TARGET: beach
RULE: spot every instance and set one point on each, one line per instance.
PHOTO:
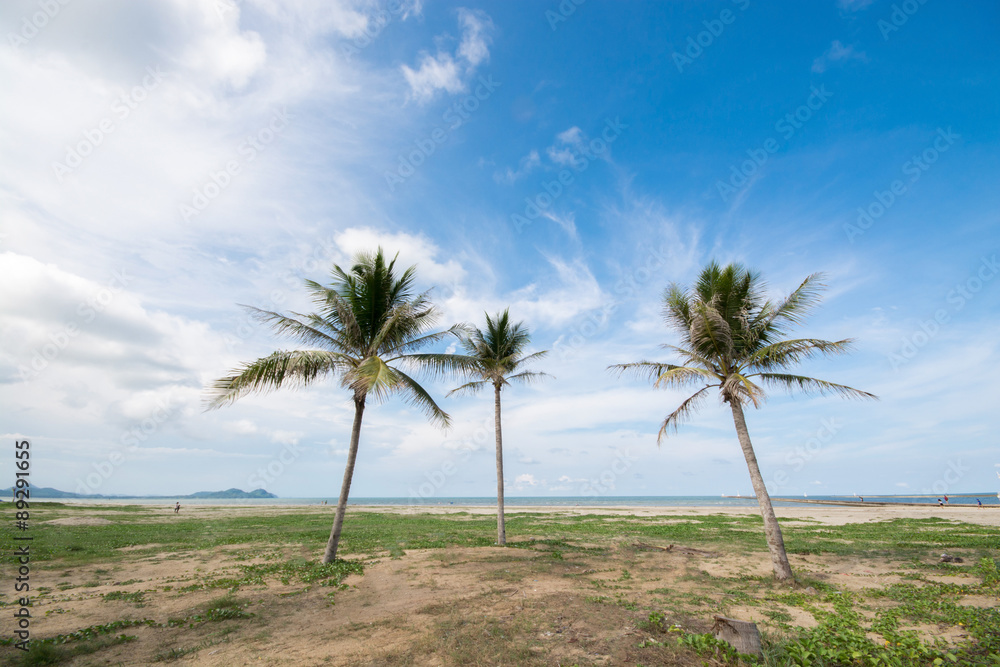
(240, 585)
(832, 515)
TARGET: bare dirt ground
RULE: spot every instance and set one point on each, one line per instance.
(468, 606)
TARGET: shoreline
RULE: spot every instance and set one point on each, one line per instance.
(824, 514)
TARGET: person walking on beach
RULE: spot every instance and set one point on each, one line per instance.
(946, 499)
(940, 504)
(177, 507)
(979, 502)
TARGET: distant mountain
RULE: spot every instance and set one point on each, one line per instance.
(232, 493)
(46, 492)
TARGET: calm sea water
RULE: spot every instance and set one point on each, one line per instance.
(532, 501)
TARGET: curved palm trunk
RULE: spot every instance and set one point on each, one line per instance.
(345, 488)
(501, 528)
(772, 531)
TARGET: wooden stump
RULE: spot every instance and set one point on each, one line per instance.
(742, 635)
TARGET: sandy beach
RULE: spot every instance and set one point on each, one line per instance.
(832, 515)
(575, 586)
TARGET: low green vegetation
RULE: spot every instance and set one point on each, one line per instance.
(914, 611)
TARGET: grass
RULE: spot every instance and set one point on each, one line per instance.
(877, 625)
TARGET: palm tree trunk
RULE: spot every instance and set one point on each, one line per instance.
(345, 488)
(501, 528)
(772, 531)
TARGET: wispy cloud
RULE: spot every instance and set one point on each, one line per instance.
(837, 53)
(528, 163)
(854, 5)
(447, 71)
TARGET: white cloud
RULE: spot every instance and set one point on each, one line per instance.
(525, 480)
(476, 28)
(445, 71)
(563, 151)
(439, 72)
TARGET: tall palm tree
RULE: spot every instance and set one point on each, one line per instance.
(367, 323)
(494, 357)
(732, 338)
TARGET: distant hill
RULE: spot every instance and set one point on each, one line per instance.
(46, 492)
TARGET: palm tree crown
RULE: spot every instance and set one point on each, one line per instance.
(365, 321)
(731, 337)
(367, 324)
(494, 355)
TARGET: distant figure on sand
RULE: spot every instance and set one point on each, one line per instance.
(862, 498)
(177, 507)
(979, 502)
(946, 499)
(940, 504)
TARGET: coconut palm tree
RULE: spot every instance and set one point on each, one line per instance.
(494, 357)
(732, 338)
(367, 324)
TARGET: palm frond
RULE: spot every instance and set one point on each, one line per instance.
(440, 364)
(641, 369)
(679, 376)
(683, 412)
(692, 357)
(711, 334)
(469, 387)
(794, 308)
(417, 396)
(813, 385)
(738, 387)
(294, 328)
(790, 352)
(373, 377)
(527, 377)
(280, 369)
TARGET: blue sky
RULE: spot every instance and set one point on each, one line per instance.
(167, 161)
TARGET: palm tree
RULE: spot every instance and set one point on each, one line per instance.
(367, 322)
(493, 357)
(733, 338)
